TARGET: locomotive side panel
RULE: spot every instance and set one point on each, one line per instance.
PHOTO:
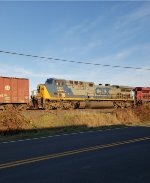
(80, 89)
(107, 92)
(67, 89)
(58, 88)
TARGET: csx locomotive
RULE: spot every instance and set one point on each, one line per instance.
(59, 93)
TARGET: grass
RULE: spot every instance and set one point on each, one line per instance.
(89, 118)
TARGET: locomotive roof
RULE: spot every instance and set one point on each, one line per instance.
(142, 88)
(118, 86)
(68, 80)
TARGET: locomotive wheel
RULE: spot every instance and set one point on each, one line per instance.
(47, 106)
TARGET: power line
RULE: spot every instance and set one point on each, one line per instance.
(73, 61)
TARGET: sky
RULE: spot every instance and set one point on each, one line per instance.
(103, 32)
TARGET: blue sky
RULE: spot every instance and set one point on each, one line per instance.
(116, 33)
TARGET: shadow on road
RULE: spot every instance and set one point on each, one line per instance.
(37, 132)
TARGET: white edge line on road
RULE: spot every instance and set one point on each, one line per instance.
(65, 134)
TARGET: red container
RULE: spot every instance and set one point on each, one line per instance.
(14, 90)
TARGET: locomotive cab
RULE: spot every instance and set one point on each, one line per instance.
(142, 94)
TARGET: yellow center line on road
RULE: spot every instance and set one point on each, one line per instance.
(67, 153)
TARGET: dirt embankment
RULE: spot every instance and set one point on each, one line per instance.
(12, 119)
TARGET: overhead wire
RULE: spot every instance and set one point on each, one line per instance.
(73, 61)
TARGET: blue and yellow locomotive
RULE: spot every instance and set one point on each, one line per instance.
(59, 93)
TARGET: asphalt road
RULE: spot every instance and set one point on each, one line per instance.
(117, 155)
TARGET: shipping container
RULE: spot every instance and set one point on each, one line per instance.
(14, 90)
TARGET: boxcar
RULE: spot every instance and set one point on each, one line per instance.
(14, 91)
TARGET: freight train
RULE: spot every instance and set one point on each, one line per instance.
(69, 94)
(59, 93)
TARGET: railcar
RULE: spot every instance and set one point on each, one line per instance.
(59, 93)
(14, 91)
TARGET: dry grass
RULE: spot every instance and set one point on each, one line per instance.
(89, 118)
(10, 119)
(94, 119)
